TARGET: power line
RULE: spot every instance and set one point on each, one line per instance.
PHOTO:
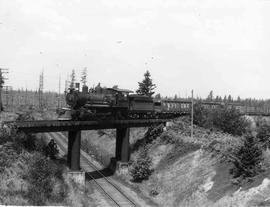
(59, 91)
(40, 90)
(192, 113)
(2, 82)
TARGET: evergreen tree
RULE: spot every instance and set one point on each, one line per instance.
(146, 87)
(263, 134)
(1, 79)
(72, 80)
(84, 77)
(225, 99)
(247, 160)
(230, 99)
(210, 96)
(238, 99)
(141, 167)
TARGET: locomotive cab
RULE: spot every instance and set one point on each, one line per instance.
(121, 96)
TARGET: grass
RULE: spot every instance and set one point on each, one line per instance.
(27, 177)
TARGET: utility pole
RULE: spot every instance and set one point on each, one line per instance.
(59, 89)
(25, 98)
(40, 90)
(2, 81)
(192, 103)
(7, 90)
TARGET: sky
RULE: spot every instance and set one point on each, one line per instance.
(204, 45)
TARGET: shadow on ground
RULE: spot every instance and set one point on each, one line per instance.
(106, 172)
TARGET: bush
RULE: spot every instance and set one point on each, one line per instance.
(229, 120)
(141, 168)
(200, 115)
(247, 160)
(27, 116)
(263, 135)
(41, 175)
(150, 135)
(7, 156)
(51, 150)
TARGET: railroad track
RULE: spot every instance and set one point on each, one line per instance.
(114, 194)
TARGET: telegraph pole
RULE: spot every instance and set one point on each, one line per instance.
(192, 103)
(40, 90)
(2, 81)
(59, 89)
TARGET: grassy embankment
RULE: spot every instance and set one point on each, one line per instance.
(185, 171)
(28, 177)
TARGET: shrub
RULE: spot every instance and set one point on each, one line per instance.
(229, 120)
(263, 135)
(168, 137)
(51, 150)
(7, 156)
(200, 115)
(27, 116)
(247, 160)
(150, 135)
(41, 176)
(141, 168)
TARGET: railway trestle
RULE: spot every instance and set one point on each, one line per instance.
(74, 128)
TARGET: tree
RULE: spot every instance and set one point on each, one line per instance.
(72, 80)
(146, 87)
(263, 134)
(225, 99)
(247, 160)
(141, 168)
(84, 76)
(1, 79)
(1, 86)
(238, 99)
(230, 99)
(210, 96)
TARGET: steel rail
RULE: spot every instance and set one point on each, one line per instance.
(100, 187)
(102, 175)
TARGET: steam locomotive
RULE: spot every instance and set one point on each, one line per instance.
(113, 103)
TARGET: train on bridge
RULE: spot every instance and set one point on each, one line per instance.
(119, 104)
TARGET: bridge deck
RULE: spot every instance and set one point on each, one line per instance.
(56, 125)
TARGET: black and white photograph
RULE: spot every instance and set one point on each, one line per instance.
(146, 103)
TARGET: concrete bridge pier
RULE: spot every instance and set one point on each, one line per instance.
(73, 157)
(74, 146)
(122, 150)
